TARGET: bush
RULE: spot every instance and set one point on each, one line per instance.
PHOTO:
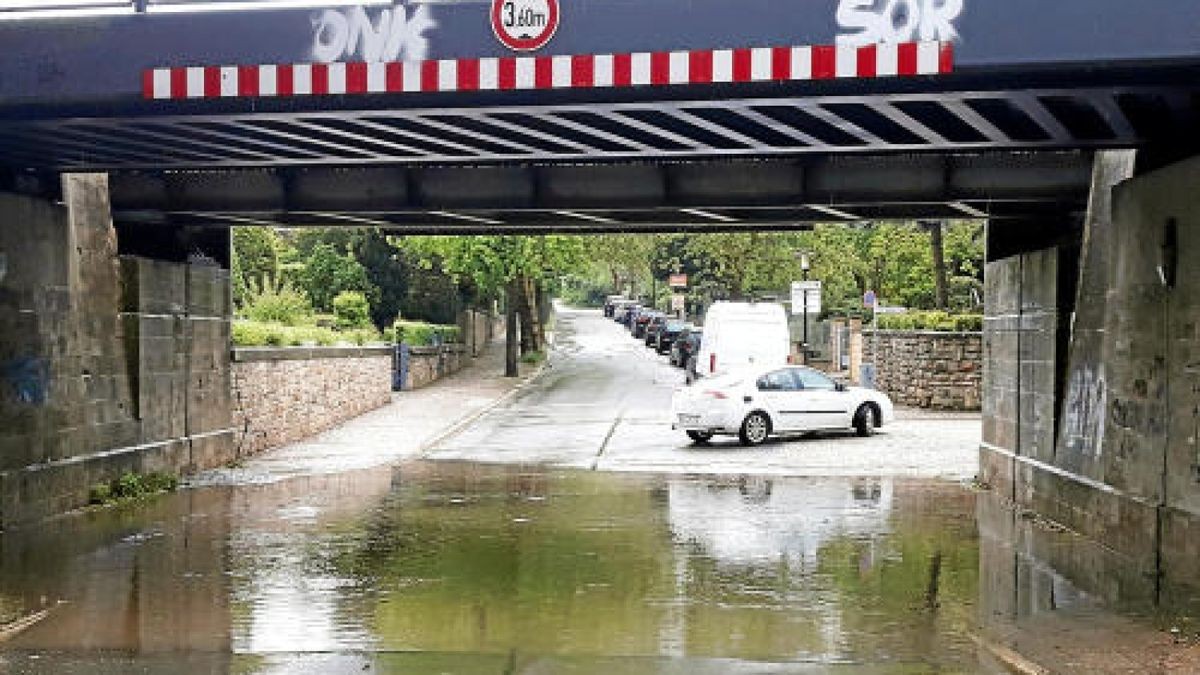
(283, 305)
(420, 334)
(255, 334)
(351, 310)
(936, 321)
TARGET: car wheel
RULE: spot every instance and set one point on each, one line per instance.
(865, 420)
(755, 428)
(700, 436)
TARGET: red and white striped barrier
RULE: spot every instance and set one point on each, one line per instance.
(591, 71)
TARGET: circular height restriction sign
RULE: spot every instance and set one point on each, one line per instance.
(524, 25)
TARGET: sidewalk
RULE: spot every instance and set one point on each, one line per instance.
(412, 422)
(1092, 643)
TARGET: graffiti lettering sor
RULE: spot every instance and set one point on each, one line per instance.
(351, 34)
(890, 21)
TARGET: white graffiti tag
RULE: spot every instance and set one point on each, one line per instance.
(890, 21)
(350, 34)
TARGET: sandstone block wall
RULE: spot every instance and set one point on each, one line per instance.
(1092, 394)
(282, 395)
(926, 369)
(108, 363)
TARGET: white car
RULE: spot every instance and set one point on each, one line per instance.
(756, 403)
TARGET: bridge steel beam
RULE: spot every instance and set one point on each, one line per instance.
(998, 185)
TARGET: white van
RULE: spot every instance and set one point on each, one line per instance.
(741, 334)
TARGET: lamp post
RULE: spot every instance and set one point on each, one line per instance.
(805, 266)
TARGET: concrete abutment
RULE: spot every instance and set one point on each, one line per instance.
(108, 363)
(1092, 383)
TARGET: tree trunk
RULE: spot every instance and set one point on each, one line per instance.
(510, 331)
(544, 310)
(939, 263)
(525, 308)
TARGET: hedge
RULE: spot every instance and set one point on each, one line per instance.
(420, 334)
(260, 334)
(935, 321)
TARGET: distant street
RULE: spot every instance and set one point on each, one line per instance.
(604, 404)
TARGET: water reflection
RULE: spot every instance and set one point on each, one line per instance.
(467, 568)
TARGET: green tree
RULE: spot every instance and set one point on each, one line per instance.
(328, 272)
(505, 264)
(254, 260)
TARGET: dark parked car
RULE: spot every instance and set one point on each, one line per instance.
(684, 346)
(642, 321)
(628, 314)
(611, 304)
(653, 328)
(667, 335)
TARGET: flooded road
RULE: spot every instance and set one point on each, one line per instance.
(463, 568)
(570, 530)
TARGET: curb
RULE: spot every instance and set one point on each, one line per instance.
(457, 427)
(1009, 659)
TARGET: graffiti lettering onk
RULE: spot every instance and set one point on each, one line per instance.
(351, 34)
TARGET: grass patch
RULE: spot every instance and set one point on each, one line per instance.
(130, 487)
(533, 358)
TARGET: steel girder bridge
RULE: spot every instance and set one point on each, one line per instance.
(599, 115)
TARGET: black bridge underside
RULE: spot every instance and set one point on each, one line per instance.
(711, 162)
(713, 195)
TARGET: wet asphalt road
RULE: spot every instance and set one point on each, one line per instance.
(604, 404)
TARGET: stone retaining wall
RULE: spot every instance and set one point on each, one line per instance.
(282, 395)
(927, 369)
(429, 364)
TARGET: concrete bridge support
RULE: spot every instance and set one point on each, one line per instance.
(108, 363)
(1092, 384)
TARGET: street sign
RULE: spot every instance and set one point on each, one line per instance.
(870, 300)
(678, 281)
(524, 25)
(678, 302)
(806, 297)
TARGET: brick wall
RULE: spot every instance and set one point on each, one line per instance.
(927, 369)
(282, 395)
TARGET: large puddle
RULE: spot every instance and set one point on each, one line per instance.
(485, 569)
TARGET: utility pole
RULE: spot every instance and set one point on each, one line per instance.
(805, 266)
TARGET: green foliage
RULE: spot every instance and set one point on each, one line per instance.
(490, 262)
(328, 272)
(421, 334)
(254, 260)
(132, 487)
(276, 304)
(533, 357)
(258, 334)
(579, 291)
(936, 321)
(351, 310)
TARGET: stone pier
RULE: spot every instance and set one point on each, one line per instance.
(1092, 381)
(108, 363)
